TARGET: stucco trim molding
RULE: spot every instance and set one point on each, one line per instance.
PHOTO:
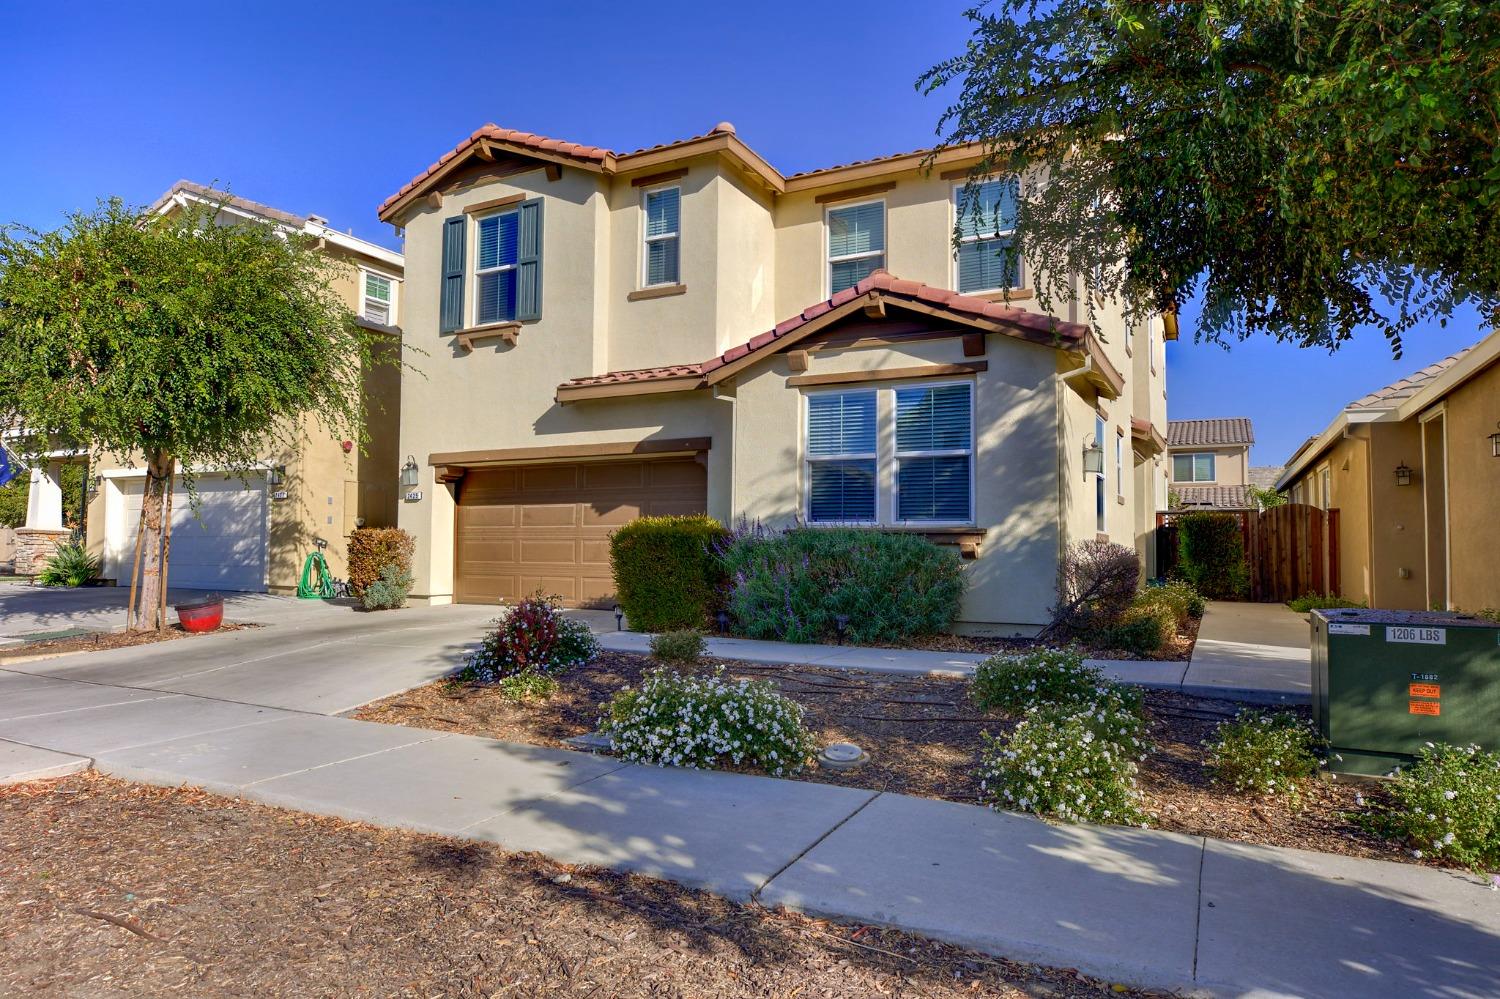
(889, 374)
(613, 449)
(509, 332)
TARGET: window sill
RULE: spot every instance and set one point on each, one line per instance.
(656, 291)
(469, 336)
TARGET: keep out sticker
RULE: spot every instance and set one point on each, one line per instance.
(1424, 708)
(1424, 690)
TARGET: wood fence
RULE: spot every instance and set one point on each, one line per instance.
(1291, 550)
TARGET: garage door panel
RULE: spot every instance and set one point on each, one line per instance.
(547, 527)
(218, 545)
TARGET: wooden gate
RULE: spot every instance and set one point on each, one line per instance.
(1291, 550)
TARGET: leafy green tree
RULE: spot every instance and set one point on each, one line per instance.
(1307, 166)
(1266, 497)
(172, 340)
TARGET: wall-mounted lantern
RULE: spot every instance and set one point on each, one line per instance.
(275, 475)
(1495, 443)
(1403, 475)
(409, 473)
(1093, 457)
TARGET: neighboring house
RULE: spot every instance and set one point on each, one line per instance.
(1210, 463)
(684, 328)
(252, 531)
(1414, 471)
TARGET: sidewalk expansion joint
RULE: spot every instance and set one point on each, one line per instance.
(436, 736)
(755, 895)
(1198, 916)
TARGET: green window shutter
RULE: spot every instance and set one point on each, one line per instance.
(529, 261)
(451, 312)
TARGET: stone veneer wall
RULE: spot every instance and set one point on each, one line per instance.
(34, 546)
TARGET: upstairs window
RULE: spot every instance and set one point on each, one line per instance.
(379, 305)
(1192, 468)
(1100, 513)
(987, 252)
(660, 255)
(495, 268)
(856, 243)
(934, 453)
(841, 458)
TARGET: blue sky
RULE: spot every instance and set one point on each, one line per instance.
(328, 107)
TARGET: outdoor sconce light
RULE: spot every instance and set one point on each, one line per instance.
(619, 618)
(722, 617)
(841, 624)
(1403, 475)
(1495, 443)
(276, 475)
(409, 473)
(1093, 457)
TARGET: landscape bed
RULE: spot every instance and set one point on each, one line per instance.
(118, 889)
(99, 641)
(1178, 649)
(923, 734)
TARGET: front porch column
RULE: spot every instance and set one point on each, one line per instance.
(44, 531)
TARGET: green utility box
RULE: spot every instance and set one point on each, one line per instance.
(1385, 682)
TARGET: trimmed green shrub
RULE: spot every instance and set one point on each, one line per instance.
(371, 549)
(1144, 628)
(1211, 554)
(667, 573)
(1016, 682)
(797, 586)
(533, 637)
(1074, 761)
(1095, 584)
(390, 590)
(1264, 753)
(70, 565)
(708, 722)
(527, 686)
(1447, 805)
(679, 648)
(1178, 594)
(1315, 601)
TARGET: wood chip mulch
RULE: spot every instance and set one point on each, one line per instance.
(924, 738)
(112, 889)
(101, 640)
(1179, 649)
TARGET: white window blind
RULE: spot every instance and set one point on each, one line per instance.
(934, 453)
(1099, 487)
(499, 243)
(663, 232)
(377, 304)
(987, 258)
(841, 457)
(856, 243)
(1193, 468)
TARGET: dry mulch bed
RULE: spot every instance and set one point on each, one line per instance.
(1179, 649)
(115, 889)
(101, 640)
(923, 735)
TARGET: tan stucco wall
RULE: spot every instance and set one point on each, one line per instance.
(1472, 414)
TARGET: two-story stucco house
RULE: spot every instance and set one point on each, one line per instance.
(1210, 463)
(685, 328)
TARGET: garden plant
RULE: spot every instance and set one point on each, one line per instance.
(679, 648)
(1446, 805)
(1265, 754)
(532, 638)
(70, 565)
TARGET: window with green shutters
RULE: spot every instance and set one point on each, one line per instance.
(841, 457)
(507, 266)
(935, 453)
(856, 243)
(661, 255)
(987, 253)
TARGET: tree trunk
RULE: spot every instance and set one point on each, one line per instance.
(150, 595)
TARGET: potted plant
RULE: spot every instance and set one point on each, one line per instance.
(205, 614)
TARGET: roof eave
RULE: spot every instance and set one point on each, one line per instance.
(567, 393)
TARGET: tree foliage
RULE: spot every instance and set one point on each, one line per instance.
(182, 338)
(1308, 166)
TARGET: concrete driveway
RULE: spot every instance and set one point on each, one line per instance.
(28, 610)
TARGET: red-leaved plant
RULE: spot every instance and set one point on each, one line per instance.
(532, 637)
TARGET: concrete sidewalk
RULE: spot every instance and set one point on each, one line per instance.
(1148, 908)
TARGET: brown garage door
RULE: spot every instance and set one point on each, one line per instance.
(522, 528)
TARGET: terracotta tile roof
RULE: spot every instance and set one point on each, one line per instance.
(1265, 476)
(1398, 392)
(1210, 433)
(1213, 497)
(215, 195)
(855, 163)
(1027, 325)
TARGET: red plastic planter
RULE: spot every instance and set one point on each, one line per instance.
(201, 615)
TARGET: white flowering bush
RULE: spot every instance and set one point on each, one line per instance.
(1264, 753)
(1016, 682)
(1447, 805)
(705, 722)
(532, 638)
(1075, 761)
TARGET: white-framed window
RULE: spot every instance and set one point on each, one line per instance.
(987, 258)
(378, 303)
(1325, 487)
(1193, 467)
(1100, 513)
(935, 453)
(661, 252)
(1120, 465)
(497, 252)
(856, 243)
(841, 457)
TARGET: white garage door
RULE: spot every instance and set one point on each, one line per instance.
(223, 547)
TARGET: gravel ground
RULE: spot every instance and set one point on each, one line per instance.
(923, 735)
(111, 889)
